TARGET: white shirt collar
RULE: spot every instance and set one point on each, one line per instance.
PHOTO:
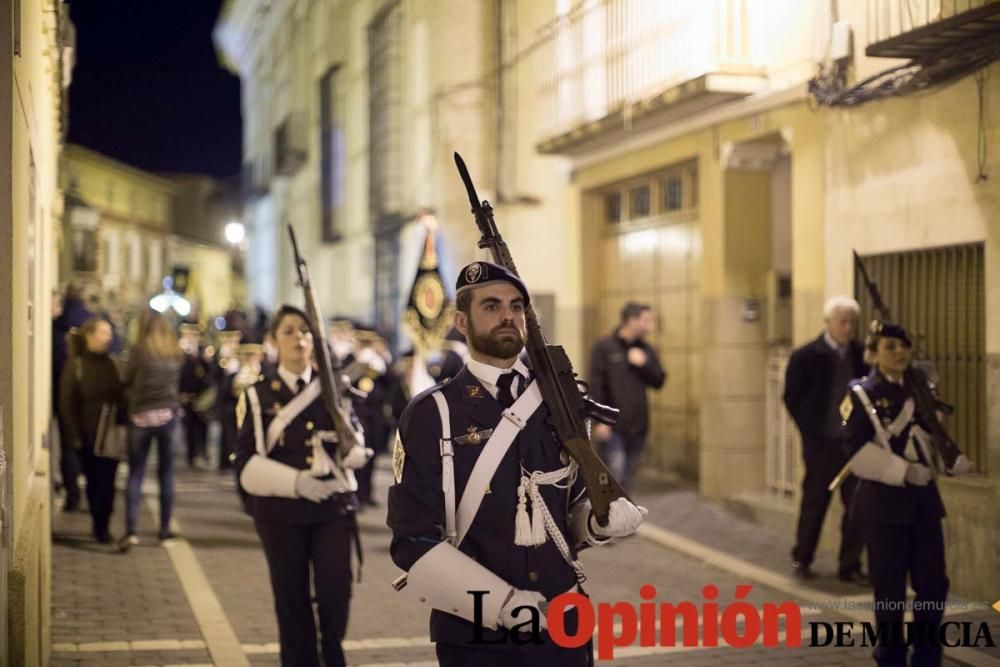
(834, 345)
(489, 375)
(291, 379)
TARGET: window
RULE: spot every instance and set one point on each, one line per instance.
(331, 137)
(672, 193)
(939, 295)
(385, 113)
(613, 207)
(639, 202)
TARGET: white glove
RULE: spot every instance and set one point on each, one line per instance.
(963, 466)
(917, 474)
(623, 519)
(519, 598)
(310, 488)
(357, 457)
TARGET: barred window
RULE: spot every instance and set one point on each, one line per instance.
(939, 295)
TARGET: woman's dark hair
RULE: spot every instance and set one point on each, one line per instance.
(78, 337)
(284, 311)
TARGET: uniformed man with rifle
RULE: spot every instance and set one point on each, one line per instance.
(498, 487)
(898, 448)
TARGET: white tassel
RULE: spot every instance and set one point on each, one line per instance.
(522, 524)
(538, 534)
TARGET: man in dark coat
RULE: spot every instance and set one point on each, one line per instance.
(622, 366)
(815, 387)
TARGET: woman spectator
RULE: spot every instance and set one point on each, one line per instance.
(90, 393)
(152, 382)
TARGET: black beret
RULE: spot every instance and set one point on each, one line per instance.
(479, 274)
(886, 329)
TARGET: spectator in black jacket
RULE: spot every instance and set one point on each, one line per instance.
(90, 385)
(622, 365)
(815, 390)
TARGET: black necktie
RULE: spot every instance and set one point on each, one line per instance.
(505, 394)
(300, 384)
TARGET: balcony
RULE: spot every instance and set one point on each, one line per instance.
(291, 144)
(609, 65)
(926, 29)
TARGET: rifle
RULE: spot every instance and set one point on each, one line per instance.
(330, 384)
(561, 391)
(946, 450)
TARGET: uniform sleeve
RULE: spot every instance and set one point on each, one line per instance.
(652, 372)
(69, 397)
(416, 502)
(858, 428)
(245, 444)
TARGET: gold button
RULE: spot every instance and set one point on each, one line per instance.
(309, 460)
(532, 577)
(309, 426)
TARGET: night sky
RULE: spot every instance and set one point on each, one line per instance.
(147, 88)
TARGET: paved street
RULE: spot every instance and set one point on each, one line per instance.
(205, 599)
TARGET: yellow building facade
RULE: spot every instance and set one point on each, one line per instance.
(119, 234)
(36, 58)
(662, 152)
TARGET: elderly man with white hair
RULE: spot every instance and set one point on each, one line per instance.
(815, 388)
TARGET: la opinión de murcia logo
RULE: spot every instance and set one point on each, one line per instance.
(738, 624)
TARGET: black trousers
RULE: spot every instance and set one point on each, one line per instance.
(227, 441)
(824, 459)
(100, 474)
(70, 468)
(364, 478)
(893, 552)
(451, 655)
(196, 433)
(291, 549)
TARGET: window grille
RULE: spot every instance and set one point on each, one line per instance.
(939, 295)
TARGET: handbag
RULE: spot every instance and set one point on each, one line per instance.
(110, 441)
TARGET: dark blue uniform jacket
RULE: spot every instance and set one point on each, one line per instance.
(875, 501)
(416, 504)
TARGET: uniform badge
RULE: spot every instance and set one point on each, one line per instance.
(398, 459)
(846, 407)
(366, 384)
(275, 385)
(473, 436)
(241, 410)
(473, 273)
(474, 391)
(883, 403)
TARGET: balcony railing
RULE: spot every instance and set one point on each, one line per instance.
(606, 54)
(923, 28)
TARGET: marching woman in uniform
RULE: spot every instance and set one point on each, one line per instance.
(897, 500)
(300, 493)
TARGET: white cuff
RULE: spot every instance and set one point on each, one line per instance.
(876, 463)
(264, 476)
(442, 578)
(579, 525)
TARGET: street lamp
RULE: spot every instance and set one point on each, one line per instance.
(235, 233)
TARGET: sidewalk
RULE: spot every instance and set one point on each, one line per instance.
(205, 599)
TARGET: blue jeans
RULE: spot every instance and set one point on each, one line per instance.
(139, 441)
(621, 454)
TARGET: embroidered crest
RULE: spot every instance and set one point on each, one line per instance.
(474, 391)
(883, 403)
(241, 410)
(846, 408)
(473, 273)
(398, 459)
